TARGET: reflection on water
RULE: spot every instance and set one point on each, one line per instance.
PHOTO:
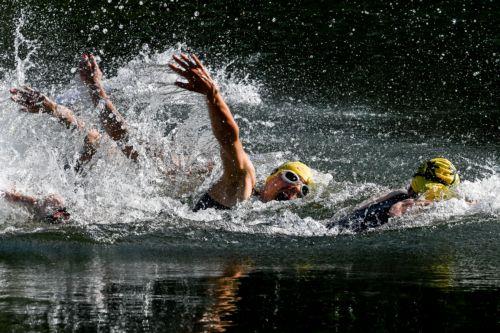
(350, 284)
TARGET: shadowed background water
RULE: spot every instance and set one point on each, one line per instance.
(361, 91)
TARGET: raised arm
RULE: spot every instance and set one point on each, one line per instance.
(238, 179)
(224, 126)
(113, 122)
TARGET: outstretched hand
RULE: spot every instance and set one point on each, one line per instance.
(191, 68)
(90, 73)
(31, 100)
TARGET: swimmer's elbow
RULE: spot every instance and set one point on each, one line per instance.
(227, 135)
(396, 210)
(401, 208)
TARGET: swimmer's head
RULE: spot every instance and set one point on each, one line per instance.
(435, 180)
(51, 209)
(58, 216)
(289, 181)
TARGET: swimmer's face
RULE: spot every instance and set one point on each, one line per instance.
(284, 186)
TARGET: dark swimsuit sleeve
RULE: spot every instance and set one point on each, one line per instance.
(206, 201)
(370, 217)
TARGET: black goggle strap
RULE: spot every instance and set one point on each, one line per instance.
(430, 174)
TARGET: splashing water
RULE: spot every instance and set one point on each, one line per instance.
(23, 45)
(171, 130)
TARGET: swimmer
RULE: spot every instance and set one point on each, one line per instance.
(50, 209)
(113, 122)
(435, 180)
(33, 101)
(289, 181)
(237, 183)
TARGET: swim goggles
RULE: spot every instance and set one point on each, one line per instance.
(292, 178)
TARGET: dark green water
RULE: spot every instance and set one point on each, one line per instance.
(407, 280)
(361, 90)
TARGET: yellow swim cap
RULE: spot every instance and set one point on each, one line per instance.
(302, 170)
(434, 179)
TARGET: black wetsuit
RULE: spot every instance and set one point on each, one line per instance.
(206, 201)
(372, 216)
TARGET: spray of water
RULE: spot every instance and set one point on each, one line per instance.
(26, 46)
(179, 160)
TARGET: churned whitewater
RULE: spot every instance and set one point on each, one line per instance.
(363, 92)
(357, 153)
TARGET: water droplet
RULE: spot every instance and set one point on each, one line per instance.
(196, 13)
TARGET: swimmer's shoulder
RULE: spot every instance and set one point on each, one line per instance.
(396, 193)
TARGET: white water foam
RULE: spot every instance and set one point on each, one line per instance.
(170, 128)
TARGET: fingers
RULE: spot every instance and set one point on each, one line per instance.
(20, 96)
(184, 85)
(31, 100)
(93, 137)
(85, 62)
(190, 62)
(200, 66)
(32, 94)
(176, 69)
(188, 67)
(93, 62)
(188, 75)
(196, 60)
(184, 65)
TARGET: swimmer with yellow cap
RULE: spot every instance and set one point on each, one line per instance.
(289, 181)
(435, 180)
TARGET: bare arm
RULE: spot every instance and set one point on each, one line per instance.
(224, 126)
(18, 198)
(113, 122)
(33, 101)
(238, 178)
(50, 208)
(90, 145)
(402, 207)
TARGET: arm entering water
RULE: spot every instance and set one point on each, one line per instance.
(112, 121)
(238, 178)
